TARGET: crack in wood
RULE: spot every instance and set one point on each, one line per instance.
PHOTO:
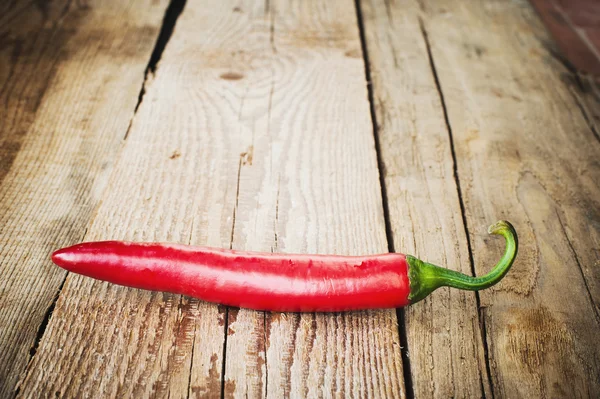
(400, 314)
(460, 198)
(45, 321)
(226, 315)
(41, 331)
(271, 12)
(486, 355)
(225, 328)
(388, 11)
(172, 13)
(276, 222)
(191, 232)
(582, 108)
(266, 364)
(237, 197)
(189, 390)
(574, 253)
(555, 54)
(270, 107)
(575, 76)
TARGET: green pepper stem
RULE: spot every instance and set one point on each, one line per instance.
(425, 277)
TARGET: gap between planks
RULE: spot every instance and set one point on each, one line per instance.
(580, 80)
(172, 13)
(462, 206)
(400, 312)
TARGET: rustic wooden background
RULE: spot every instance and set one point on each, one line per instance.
(318, 127)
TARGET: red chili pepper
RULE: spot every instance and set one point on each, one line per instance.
(276, 282)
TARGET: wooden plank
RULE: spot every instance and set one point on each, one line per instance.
(70, 75)
(443, 334)
(586, 93)
(311, 186)
(526, 153)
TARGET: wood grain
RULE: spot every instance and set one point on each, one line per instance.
(308, 182)
(525, 153)
(70, 75)
(585, 90)
(255, 134)
(444, 337)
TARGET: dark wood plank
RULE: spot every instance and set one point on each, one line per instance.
(574, 27)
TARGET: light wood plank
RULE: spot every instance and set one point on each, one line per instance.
(444, 337)
(564, 21)
(525, 153)
(311, 186)
(70, 75)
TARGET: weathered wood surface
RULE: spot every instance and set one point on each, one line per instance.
(443, 334)
(70, 75)
(264, 143)
(255, 133)
(312, 186)
(524, 152)
(537, 167)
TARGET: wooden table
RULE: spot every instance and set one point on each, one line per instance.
(314, 127)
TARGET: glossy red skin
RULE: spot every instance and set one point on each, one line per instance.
(261, 281)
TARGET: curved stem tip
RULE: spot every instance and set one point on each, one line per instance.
(425, 277)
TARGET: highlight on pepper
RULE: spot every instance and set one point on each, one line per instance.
(276, 281)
